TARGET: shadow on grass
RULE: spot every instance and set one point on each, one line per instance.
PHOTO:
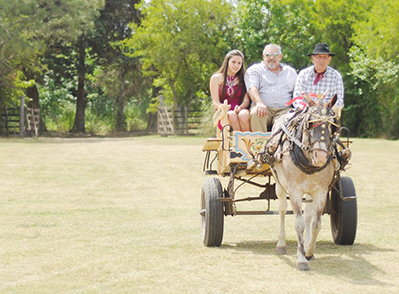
(345, 262)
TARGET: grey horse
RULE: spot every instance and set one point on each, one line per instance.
(301, 153)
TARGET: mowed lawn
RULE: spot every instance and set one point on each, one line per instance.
(121, 215)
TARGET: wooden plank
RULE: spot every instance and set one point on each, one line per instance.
(212, 144)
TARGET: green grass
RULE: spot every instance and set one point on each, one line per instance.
(121, 215)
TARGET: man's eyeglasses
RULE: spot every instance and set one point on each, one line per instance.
(272, 54)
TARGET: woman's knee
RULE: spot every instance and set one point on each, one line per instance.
(232, 116)
(244, 114)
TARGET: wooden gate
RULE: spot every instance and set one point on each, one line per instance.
(165, 120)
(33, 120)
(178, 121)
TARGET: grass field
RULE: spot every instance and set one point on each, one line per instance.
(121, 215)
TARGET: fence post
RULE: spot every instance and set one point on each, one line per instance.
(22, 118)
(186, 119)
(6, 116)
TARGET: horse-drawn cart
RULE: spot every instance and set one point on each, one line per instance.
(243, 159)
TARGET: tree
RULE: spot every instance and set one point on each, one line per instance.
(18, 46)
(121, 76)
(253, 20)
(180, 44)
(334, 21)
(68, 49)
(374, 69)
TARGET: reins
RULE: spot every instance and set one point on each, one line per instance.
(293, 131)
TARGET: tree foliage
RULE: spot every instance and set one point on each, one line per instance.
(18, 21)
(117, 56)
(118, 75)
(179, 43)
(374, 70)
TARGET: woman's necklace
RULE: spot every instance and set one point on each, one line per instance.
(230, 85)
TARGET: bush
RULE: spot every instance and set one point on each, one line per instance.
(207, 129)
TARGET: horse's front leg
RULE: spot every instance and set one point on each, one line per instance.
(281, 247)
(296, 203)
(310, 245)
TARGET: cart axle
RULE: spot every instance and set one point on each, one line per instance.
(259, 212)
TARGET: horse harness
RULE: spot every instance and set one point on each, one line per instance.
(298, 126)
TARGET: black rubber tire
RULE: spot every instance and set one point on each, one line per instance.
(212, 217)
(343, 217)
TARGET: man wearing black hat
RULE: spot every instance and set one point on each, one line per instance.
(319, 78)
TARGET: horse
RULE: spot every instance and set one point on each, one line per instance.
(303, 163)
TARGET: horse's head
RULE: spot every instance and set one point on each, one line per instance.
(319, 130)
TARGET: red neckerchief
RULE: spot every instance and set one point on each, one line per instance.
(319, 76)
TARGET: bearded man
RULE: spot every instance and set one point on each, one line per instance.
(270, 85)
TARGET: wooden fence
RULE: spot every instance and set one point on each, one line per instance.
(19, 121)
(178, 121)
(11, 120)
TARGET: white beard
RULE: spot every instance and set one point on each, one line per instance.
(272, 65)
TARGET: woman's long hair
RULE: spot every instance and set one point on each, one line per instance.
(240, 74)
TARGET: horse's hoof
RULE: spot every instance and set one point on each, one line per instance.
(302, 266)
(281, 250)
(310, 257)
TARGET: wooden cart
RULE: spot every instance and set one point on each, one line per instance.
(234, 155)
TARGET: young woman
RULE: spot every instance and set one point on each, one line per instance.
(228, 83)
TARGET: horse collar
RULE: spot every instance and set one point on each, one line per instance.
(303, 163)
(297, 154)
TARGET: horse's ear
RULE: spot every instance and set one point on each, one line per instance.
(337, 110)
(332, 101)
(309, 99)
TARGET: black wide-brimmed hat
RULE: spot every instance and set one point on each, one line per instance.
(321, 48)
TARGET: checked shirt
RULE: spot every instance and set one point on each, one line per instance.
(331, 81)
(275, 90)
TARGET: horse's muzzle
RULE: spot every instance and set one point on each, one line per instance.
(320, 154)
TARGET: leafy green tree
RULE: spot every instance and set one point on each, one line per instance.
(286, 23)
(374, 70)
(180, 44)
(334, 22)
(253, 19)
(290, 26)
(68, 49)
(120, 76)
(19, 20)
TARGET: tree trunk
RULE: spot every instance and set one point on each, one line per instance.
(151, 123)
(81, 102)
(152, 117)
(120, 125)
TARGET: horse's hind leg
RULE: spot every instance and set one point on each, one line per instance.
(281, 247)
(308, 218)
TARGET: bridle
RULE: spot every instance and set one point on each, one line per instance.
(316, 126)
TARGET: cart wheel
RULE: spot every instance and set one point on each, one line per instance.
(344, 212)
(212, 218)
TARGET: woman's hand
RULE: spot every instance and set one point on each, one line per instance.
(237, 109)
(220, 105)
